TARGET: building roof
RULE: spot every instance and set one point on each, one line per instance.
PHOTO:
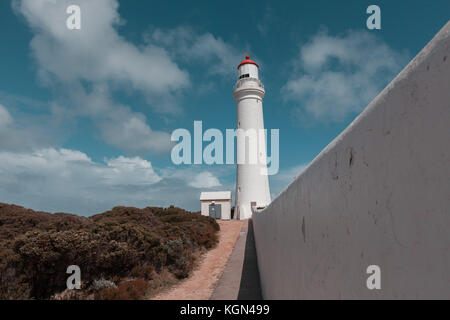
(247, 60)
(217, 195)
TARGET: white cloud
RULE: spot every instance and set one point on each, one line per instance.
(24, 134)
(129, 171)
(5, 118)
(134, 135)
(85, 67)
(205, 180)
(194, 176)
(68, 180)
(74, 169)
(266, 20)
(187, 45)
(97, 52)
(64, 180)
(340, 75)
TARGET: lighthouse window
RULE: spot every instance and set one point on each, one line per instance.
(244, 76)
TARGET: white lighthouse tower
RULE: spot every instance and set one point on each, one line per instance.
(252, 182)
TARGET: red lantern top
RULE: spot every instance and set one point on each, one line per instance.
(247, 60)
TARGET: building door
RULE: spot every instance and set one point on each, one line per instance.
(215, 211)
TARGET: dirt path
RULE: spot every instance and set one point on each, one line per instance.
(201, 283)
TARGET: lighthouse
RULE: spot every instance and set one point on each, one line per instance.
(252, 182)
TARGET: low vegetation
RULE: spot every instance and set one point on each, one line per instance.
(124, 253)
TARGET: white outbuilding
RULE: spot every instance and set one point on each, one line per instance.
(216, 204)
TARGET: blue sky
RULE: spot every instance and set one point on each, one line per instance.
(86, 116)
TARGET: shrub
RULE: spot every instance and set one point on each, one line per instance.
(128, 290)
(37, 247)
(101, 284)
(144, 272)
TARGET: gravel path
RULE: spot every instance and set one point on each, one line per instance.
(201, 283)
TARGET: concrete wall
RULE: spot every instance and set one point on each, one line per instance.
(378, 194)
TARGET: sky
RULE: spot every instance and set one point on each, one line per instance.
(86, 115)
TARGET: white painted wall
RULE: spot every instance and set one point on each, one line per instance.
(252, 183)
(250, 69)
(226, 208)
(378, 194)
